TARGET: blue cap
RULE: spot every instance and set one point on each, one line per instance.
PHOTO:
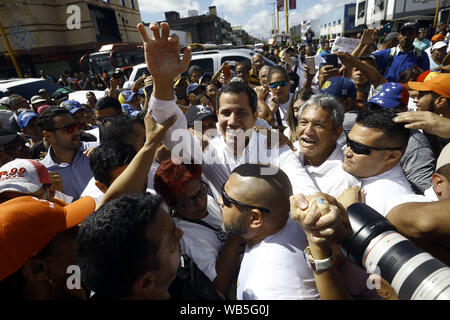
(24, 118)
(339, 87)
(192, 87)
(72, 105)
(390, 95)
(128, 110)
(126, 96)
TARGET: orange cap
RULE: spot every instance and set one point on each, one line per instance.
(28, 224)
(439, 84)
(437, 37)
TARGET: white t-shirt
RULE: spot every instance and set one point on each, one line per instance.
(276, 269)
(201, 243)
(218, 160)
(284, 109)
(93, 191)
(329, 177)
(385, 188)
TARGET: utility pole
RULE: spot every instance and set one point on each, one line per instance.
(10, 51)
(287, 15)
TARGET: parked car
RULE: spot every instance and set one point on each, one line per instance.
(26, 87)
(209, 60)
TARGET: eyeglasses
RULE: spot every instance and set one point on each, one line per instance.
(282, 83)
(200, 194)
(69, 127)
(228, 201)
(360, 148)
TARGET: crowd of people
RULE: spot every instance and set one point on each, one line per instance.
(233, 185)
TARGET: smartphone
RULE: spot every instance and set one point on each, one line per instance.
(332, 59)
(311, 63)
(386, 29)
(148, 90)
(226, 71)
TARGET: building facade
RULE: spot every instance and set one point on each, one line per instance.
(53, 35)
(340, 22)
(375, 13)
(206, 28)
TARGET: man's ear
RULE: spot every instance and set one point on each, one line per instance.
(146, 284)
(103, 188)
(45, 134)
(394, 156)
(438, 183)
(440, 102)
(256, 218)
(35, 270)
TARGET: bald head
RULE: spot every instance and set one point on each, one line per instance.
(263, 186)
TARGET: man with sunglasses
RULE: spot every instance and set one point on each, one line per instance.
(66, 152)
(257, 208)
(237, 114)
(375, 146)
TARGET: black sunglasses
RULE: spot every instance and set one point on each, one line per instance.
(228, 201)
(360, 148)
(69, 127)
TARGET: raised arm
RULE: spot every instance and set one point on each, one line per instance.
(427, 121)
(371, 73)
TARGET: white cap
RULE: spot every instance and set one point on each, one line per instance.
(444, 157)
(438, 45)
(23, 175)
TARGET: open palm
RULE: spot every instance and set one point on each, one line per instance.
(162, 53)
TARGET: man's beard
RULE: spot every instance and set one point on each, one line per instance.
(237, 228)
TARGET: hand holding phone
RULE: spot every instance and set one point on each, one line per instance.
(332, 60)
(311, 63)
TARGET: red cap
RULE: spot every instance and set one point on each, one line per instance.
(28, 224)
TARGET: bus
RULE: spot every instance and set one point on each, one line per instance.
(113, 56)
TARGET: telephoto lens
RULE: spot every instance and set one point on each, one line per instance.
(376, 245)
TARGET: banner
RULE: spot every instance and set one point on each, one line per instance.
(343, 44)
(292, 4)
(280, 5)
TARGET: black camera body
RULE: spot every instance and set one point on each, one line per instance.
(376, 245)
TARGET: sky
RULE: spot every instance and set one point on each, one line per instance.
(255, 16)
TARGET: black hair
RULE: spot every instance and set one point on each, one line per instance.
(113, 250)
(239, 87)
(118, 128)
(108, 102)
(200, 96)
(45, 119)
(194, 68)
(275, 70)
(410, 74)
(382, 119)
(108, 156)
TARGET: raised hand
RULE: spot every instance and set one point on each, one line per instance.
(427, 121)
(154, 131)
(162, 53)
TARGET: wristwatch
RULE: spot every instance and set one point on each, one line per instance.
(317, 265)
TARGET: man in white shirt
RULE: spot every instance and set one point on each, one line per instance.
(256, 207)
(236, 116)
(319, 127)
(375, 146)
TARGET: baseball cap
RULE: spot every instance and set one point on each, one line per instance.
(438, 45)
(192, 87)
(439, 84)
(72, 105)
(128, 110)
(23, 175)
(437, 37)
(6, 118)
(444, 157)
(4, 101)
(24, 118)
(28, 224)
(37, 99)
(7, 135)
(198, 113)
(409, 25)
(339, 87)
(126, 96)
(390, 36)
(390, 95)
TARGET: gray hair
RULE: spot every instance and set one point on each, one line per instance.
(328, 103)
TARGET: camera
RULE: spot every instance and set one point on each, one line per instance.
(375, 243)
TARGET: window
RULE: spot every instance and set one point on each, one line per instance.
(206, 64)
(339, 21)
(122, 3)
(105, 1)
(132, 4)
